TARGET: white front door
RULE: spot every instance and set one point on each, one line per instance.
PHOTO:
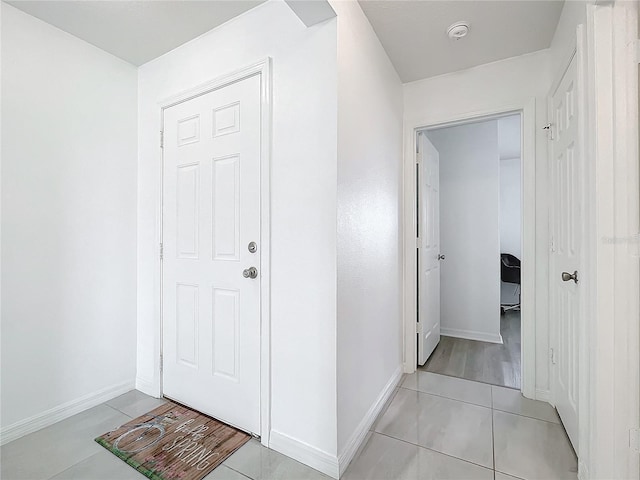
(429, 248)
(211, 223)
(567, 170)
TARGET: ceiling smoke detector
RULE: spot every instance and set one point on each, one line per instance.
(458, 30)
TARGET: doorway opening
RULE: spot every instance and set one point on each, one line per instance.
(469, 219)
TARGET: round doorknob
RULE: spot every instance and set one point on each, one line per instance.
(567, 277)
(251, 272)
(440, 257)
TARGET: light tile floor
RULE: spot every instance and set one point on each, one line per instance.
(434, 428)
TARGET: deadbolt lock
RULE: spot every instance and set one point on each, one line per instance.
(252, 247)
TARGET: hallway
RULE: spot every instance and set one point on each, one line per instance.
(434, 428)
(434, 422)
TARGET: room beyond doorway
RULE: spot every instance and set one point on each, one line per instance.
(470, 217)
(482, 361)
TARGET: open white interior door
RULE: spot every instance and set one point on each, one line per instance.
(428, 248)
(567, 180)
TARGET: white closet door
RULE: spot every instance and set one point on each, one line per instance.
(429, 248)
(567, 176)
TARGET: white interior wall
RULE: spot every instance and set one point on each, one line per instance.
(487, 88)
(509, 141)
(369, 211)
(469, 230)
(68, 224)
(303, 212)
(510, 220)
(509, 145)
(564, 38)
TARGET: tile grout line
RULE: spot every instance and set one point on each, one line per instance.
(97, 453)
(447, 398)
(74, 465)
(384, 410)
(464, 379)
(80, 460)
(119, 411)
(432, 450)
(477, 404)
(509, 474)
(527, 416)
(230, 468)
(468, 379)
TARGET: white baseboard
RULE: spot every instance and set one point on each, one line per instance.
(304, 453)
(583, 471)
(360, 433)
(543, 395)
(66, 410)
(408, 368)
(148, 387)
(471, 335)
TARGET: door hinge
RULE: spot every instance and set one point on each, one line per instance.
(161, 251)
(634, 439)
(638, 50)
(553, 356)
(161, 363)
(418, 328)
(161, 139)
(549, 128)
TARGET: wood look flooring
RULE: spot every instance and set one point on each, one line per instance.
(481, 361)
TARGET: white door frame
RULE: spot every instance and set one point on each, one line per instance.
(528, 161)
(263, 69)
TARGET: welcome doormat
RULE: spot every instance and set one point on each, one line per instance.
(173, 442)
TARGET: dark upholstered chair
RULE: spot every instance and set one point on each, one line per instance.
(510, 273)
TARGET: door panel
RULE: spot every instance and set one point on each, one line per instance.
(429, 248)
(567, 172)
(187, 200)
(211, 211)
(226, 208)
